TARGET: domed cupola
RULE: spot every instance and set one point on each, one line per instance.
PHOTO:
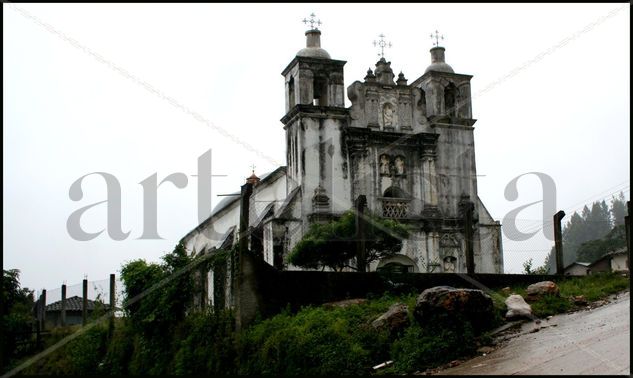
(437, 61)
(313, 46)
(313, 41)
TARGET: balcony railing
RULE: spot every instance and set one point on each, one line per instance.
(395, 207)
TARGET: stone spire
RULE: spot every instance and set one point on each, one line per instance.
(384, 73)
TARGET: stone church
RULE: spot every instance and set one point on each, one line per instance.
(408, 148)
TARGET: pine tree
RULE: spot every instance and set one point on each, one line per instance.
(618, 209)
(598, 221)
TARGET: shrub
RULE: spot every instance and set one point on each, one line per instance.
(315, 341)
(427, 347)
(207, 344)
(81, 356)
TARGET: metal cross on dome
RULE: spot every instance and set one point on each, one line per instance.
(253, 167)
(437, 38)
(312, 21)
(382, 44)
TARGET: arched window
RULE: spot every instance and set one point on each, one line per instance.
(394, 192)
(320, 92)
(450, 100)
(291, 92)
(422, 101)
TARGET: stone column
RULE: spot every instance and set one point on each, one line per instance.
(429, 177)
(426, 174)
(433, 182)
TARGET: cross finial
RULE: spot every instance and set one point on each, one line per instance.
(312, 21)
(253, 167)
(382, 44)
(437, 38)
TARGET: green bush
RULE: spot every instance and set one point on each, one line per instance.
(315, 341)
(427, 347)
(207, 344)
(81, 356)
(120, 349)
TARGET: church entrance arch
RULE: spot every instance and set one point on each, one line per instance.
(397, 264)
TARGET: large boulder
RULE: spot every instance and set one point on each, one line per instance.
(445, 304)
(395, 319)
(517, 307)
(539, 289)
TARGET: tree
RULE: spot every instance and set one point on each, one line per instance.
(154, 310)
(17, 304)
(598, 221)
(618, 209)
(333, 244)
(527, 267)
(594, 249)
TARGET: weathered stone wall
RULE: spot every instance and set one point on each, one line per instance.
(264, 290)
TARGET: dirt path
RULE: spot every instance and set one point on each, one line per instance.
(595, 341)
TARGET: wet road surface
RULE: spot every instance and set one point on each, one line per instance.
(594, 341)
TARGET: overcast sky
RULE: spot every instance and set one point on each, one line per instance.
(112, 88)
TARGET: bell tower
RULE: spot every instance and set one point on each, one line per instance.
(312, 77)
(314, 119)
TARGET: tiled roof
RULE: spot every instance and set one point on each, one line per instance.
(73, 304)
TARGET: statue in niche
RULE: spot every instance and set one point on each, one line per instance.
(399, 165)
(384, 164)
(387, 115)
(449, 264)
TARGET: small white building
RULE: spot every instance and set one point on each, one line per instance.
(619, 260)
(577, 268)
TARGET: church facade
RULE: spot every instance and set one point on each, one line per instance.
(408, 148)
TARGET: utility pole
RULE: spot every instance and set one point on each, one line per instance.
(558, 242)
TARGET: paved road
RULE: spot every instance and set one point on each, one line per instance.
(596, 341)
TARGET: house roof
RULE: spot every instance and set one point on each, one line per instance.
(610, 254)
(585, 264)
(618, 251)
(74, 303)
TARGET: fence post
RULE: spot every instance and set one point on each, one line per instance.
(63, 313)
(558, 242)
(361, 258)
(38, 321)
(112, 303)
(627, 227)
(84, 305)
(43, 309)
